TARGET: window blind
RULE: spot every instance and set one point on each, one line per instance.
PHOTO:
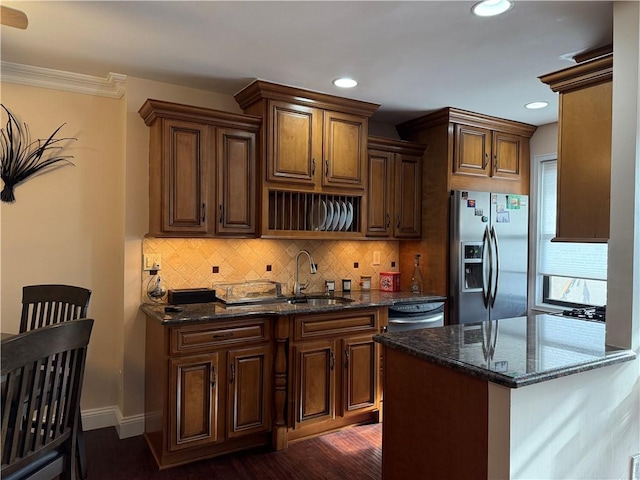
(579, 260)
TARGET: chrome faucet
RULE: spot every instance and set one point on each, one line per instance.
(297, 287)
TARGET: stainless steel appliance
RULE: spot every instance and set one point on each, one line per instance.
(488, 255)
(415, 315)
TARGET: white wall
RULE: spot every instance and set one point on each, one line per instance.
(588, 425)
(66, 226)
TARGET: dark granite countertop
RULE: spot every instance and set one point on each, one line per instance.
(513, 352)
(206, 312)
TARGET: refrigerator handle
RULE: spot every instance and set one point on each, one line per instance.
(494, 240)
(486, 279)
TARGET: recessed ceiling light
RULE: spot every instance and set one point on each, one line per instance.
(490, 8)
(345, 82)
(536, 105)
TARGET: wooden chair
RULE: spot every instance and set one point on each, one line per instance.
(50, 304)
(42, 374)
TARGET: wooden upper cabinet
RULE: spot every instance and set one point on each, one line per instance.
(185, 187)
(236, 154)
(487, 153)
(295, 143)
(314, 147)
(584, 149)
(394, 193)
(345, 147)
(472, 152)
(202, 171)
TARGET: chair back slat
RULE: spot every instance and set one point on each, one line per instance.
(42, 373)
(44, 305)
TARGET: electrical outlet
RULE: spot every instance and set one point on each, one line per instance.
(376, 257)
(635, 467)
(151, 261)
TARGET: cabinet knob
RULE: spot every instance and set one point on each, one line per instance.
(204, 210)
(221, 213)
(326, 162)
(313, 167)
(388, 221)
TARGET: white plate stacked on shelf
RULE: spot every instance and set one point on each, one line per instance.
(349, 220)
(330, 214)
(318, 215)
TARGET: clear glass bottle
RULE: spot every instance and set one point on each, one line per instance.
(416, 276)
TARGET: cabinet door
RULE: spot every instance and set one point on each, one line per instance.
(236, 157)
(185, 179)
(193, 402)
(295, 143)
(472, 150)
(359, 374)
(506, 156)
(380, 194)
(408, 211)
(315, 374)
(584, 164)
(248, 399)
(345, 148)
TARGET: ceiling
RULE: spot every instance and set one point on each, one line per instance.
(410, 57)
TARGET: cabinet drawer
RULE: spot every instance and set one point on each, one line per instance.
(194, 338)
(321, 325)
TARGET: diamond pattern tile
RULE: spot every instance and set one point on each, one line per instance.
(187, 263)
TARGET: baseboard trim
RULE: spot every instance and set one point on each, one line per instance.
(112, 417)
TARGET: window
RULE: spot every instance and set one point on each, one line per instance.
(568, 274)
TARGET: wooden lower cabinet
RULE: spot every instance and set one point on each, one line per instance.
(208, 388)
(193, 419)
(334, 373)
(220, 386)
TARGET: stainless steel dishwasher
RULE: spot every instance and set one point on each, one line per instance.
(413, 315)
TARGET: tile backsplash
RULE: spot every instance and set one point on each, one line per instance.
(189, 263)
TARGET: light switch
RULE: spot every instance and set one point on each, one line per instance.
(151, 261)
(376, 257)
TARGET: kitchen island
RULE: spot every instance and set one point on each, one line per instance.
(489, 399)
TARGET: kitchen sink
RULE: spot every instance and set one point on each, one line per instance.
(319, 300)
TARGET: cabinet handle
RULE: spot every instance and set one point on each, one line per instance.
(233, 373)
(397, 220)
(333, 360)
(313, 167)
(221, 213)
(485, 161)
(346, 358)
(223, 335)
(388, 221)
(326, 162)
(204, 210)
(495, 162)
(214, 377)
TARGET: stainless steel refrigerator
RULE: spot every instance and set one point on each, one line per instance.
(488, 254)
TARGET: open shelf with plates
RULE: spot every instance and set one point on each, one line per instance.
(314, 213)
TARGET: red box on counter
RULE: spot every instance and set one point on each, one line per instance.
(389, 281)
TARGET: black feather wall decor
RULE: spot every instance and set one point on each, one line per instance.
(23, 158)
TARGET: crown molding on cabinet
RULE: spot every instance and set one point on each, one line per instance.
(113, 86)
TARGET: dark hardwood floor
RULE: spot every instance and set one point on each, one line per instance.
(354, 454)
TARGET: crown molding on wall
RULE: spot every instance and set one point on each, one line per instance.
(113, 86)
